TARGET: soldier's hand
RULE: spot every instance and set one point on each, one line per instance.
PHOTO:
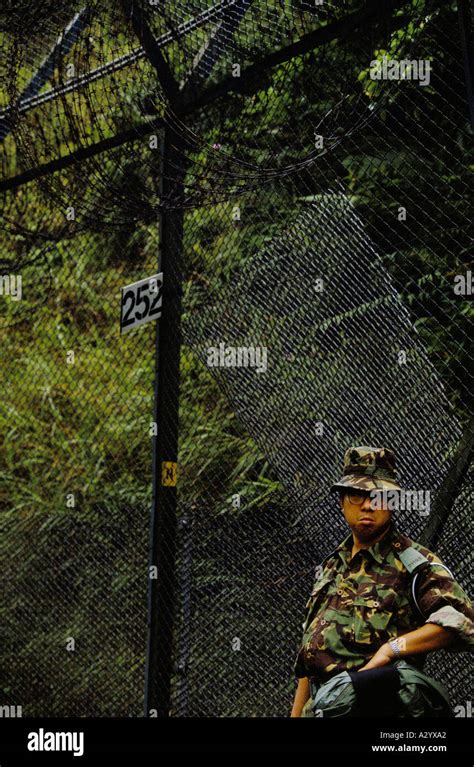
(383, 656)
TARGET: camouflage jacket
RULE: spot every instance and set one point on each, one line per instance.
(358, 603)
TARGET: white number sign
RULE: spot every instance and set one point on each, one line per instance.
(141, 302)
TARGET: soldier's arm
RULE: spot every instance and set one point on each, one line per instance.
(449, 619)
(445, 604)
(422, 640)
(301, 696)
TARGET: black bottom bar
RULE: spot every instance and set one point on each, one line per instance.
(406, 741)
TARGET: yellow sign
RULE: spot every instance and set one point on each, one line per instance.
(168, 473)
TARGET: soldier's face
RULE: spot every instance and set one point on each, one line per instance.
(367, 523)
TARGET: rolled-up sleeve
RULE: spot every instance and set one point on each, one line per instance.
(445, 603)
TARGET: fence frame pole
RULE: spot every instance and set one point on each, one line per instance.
(163, 518)
(450, 487)
(163, 524)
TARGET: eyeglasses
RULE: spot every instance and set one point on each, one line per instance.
(358, 498)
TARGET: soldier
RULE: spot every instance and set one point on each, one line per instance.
(361, 615)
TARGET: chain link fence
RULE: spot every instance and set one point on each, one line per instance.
(325, 302)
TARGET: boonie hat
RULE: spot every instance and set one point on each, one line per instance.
(368, 468)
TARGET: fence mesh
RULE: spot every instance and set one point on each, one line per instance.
(326, 223)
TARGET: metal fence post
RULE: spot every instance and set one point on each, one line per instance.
(161, 589)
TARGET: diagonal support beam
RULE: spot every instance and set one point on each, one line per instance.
(152, 50)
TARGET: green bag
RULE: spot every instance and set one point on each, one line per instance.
(417, 695)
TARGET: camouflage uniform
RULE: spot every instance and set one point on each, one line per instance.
(361, 602)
